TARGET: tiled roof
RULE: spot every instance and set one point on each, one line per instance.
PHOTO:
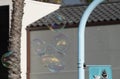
(103, 13)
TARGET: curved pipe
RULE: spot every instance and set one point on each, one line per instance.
(81, 35)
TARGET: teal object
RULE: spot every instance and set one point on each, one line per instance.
(81, 36)
(100, 71)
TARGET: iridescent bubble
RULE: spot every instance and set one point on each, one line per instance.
(61, 42)
(53, 60)
(55, 65)
(39, 46)
(59, 22)
(6, 59)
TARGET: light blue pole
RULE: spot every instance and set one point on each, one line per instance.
(83, 21)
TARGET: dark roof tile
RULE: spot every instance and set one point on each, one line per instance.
(72, 14)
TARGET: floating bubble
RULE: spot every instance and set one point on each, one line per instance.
(6, 59)
(59, 22)
(56, 65)
(39, 46)
(61, 42)
(53, 60)
(53, 63)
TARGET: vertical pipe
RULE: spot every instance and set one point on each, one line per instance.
(81, 36)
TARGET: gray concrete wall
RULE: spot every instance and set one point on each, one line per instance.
(102, 47)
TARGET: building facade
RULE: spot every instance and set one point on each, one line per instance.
(101, 40)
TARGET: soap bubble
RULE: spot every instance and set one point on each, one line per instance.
(61, 42)
(55, 65)
(5, 59)
(58, 23)
(39, 46)
(53, 60)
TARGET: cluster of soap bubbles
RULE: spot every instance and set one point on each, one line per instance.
(52, 54)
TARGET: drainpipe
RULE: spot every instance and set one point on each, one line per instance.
(81, 36)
